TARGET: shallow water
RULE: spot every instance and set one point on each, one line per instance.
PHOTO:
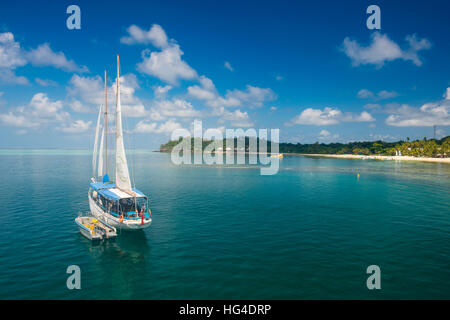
(308, 232)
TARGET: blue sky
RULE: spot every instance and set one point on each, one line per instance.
(313, 70)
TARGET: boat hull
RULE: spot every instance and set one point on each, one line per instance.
(99, 230)
(105, 217)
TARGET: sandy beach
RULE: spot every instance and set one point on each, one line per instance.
(364, 157)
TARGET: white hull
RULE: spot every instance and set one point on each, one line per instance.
(113, 221)
(95, 230)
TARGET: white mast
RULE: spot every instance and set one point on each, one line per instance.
(106, 132)
(94, 157)
(122, 173)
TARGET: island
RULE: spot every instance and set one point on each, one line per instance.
(429, 150)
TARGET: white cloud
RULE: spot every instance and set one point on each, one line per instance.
(40, 111)
(250, 97)
(87, 93)
(383, 94)
(329, 116)
(8, 76)
(17, 120)
(43, 55)
(156, 36)
(383, 49)
(429, 114)
(228, 66)
(362, 117)
(173, 108)
(90, 90)
(207, 90)
(236, 118)
(324, 133)
(78, 126)
(273, 108)
(161, 91)
(447, 94)
(11, 55)
(46, 82)
(166, 65)
(152, 127)
(364, 94)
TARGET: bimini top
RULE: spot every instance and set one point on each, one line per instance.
(100, 185)
(110, 191)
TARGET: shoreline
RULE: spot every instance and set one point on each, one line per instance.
(375, 157)
(349, 156)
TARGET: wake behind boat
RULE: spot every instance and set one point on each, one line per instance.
(115, 202)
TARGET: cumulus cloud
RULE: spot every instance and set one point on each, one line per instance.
(155, 36)
(250, 97)
(228, 66)
(318, 117)
(166, 65)
(429, 114)
(40, 111)
(235, 118)
(383, 94)
(78, 126)
(145, 126)
(329, 116)
(87, 93)
(161, 91)
(447, 94)
(13, 56)
(9, 76)
(173, 108)
(324, 133)
(382, 49)
(44, 56)
(364, 94)
(46, 82)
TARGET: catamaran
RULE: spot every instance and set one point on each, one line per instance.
(115, 203)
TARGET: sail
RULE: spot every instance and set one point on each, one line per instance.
(94, 157)
(122, 173)
(100, 155)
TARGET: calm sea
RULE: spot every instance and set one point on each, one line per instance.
(308, 232)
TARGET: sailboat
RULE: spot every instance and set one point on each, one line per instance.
(116, 202)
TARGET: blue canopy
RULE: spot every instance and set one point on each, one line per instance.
(100, 185)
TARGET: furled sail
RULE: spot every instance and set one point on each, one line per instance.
(100, 155)
(122, 173)
(94, 157)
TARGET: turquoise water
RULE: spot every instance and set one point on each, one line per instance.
(308, 232)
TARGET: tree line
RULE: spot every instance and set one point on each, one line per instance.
(416, 148)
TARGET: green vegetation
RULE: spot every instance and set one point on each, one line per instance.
(417, 148)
